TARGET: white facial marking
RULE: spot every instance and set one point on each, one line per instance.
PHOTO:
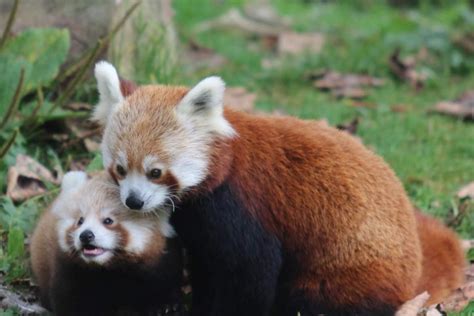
(104, 238)
(139, 236)
(153, 195)
(62, 227)
(150, 162)
(122, 159)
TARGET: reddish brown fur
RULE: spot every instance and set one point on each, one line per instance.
(43, 248)
(338, 208)
(443, 259)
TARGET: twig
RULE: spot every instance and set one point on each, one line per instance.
(4, 149)
(11, 19)
(14, 300)
(15, 100)
(86, 61)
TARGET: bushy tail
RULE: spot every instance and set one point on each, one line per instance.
(443, 259)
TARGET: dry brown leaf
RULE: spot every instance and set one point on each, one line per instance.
(296, 43)
(350, 127)
(466, 191)
(203, 57)
(405, 70)
(413, 306)
(79, 106)
(26, 178)
(466, 42)
(460, 298)
(463, 107)
(240, 98)
(466, 245)
(398, 108)
(235, 20)
(91, 145)
(344, 85)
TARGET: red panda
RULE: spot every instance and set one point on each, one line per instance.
(90, 257)
(279, 216)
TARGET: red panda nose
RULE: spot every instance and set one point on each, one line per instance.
(86, 237)
(133, 202)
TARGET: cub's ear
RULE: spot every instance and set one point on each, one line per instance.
(110, 94)
(203, 105)
(73, 180)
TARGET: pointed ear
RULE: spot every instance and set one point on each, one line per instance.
(203, 104)
(73, 180)
(110, 94)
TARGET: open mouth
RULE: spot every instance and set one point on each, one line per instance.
(92, 251)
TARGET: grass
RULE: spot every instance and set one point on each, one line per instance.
(433, 155)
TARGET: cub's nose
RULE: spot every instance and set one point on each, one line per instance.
(133, 202)
(86, 237)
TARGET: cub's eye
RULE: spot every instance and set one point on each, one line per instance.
(108, 221)
(81, 220)
(155, 173)
(121, 171)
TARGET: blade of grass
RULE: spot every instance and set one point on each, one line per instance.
(85, 63)
(15, 100)
(79, 64)
(8, 144)
(11, 19)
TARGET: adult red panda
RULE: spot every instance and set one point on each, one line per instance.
(90, 257)
(279, 215)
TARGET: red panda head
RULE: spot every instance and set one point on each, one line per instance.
(157, 141)
(94, 227)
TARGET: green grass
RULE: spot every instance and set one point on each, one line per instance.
(432, 155)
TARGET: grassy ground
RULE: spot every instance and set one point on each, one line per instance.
(433, 155)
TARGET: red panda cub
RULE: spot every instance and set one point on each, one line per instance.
(92, 257)
(279, 216)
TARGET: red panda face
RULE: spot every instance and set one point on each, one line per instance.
(94, 226)
(157, 141)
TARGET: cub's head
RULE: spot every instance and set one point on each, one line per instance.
(158, 139)
(94, 227)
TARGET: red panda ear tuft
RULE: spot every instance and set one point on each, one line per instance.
(110, 92)
(72, 180)
(203, 106)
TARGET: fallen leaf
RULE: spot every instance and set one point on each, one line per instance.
(405, 70)
(236, 20)
(466, 191)
(293, 43)
(460, 298)
(345, 85)
(91, 145)
(466, 42)
(79, 106)
(26, 178)
(240, 98)
(468, 244)
(398, 108)
(463, 107)
(350, 127)
(413, 306)
(203, 57)
(264, 12)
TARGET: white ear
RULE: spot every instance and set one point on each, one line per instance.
(110, 95)
(203, 104)
(73, 180)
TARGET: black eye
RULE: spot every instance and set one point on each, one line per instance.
(155, 173)
(121, 171)
(81, 220)
(108, 221)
